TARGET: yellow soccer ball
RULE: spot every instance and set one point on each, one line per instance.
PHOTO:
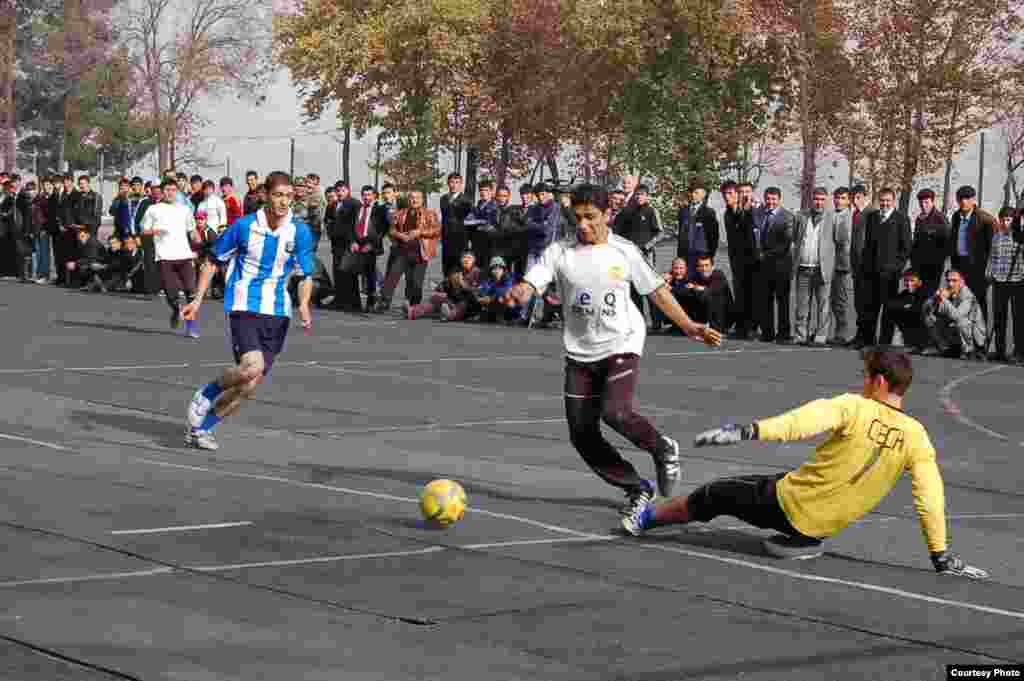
(443, 502)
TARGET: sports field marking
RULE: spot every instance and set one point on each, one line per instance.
(296, 562)
(712, 353)
(182, 528)
(437, 425)
(793, 574)
(38, 443)
(953, 409)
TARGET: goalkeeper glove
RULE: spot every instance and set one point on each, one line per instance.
(947, 563)
(727, 435)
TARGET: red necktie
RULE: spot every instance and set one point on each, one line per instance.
(361, 228)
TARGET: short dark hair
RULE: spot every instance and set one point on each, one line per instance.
(774, 191)
(618, 191)
(911, 273)
(925, 194)
(745, 184)
(368, 188)
(277, 179)
(643, 188)
(454, 176)
(892, 364)
(859, 189)
(251, 173)
(169, 182)
(227, 181)
(196, 178)
(209, 183)
(136, 180)
(387, 185)
(312, 176)
(83, 176)
(182, 176)
(590, 194)
(965, 192)
(342, 183)
(728, 186)
(123, 180)
(525, 189)
(705, 256)
(820, 190)
(1005, 212)
(503, 188)
(541, 187)
(486, 184)
(839, 191)
(887, 190)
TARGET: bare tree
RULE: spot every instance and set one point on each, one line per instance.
(8, 144)
(183, 52)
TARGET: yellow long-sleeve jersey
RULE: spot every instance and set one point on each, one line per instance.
(871, 445)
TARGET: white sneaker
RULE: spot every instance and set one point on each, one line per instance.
(201, 439)
(639, 509)
(446, 312)
(198, 408)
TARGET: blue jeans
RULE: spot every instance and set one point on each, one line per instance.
(41, 257)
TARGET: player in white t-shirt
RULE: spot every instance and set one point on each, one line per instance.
(604, 337)
(172, 227)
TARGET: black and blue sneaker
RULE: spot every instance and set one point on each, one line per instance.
(638, 516)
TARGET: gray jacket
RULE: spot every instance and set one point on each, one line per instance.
(842, 222)
(962, 310)
(826, 242)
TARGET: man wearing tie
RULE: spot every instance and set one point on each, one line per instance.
(842, 282)
(774, 231)
(363, 245)
(886, 249)
(972, 243)
(454, 209)
(697, 227)
(858, 222)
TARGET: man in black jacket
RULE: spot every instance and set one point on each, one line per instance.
(65, 236)
(907, 311)
(510, 241)
(774, 229)
(342, 227)
(455, 207)
(697, 226)
(739, 232)
(641, 226)
(886, 249)
(931, 242)
(87, 208)
(971, 243)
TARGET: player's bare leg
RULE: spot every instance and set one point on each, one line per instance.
(222, 398)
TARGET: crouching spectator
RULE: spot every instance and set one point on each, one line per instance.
(322, 286)
(84, 272)
(954, 320)
(126, 266)
(453, 301)
(493, 292)
(907, 311)
(705, 294)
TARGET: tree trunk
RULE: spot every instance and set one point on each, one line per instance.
(472, 168)
(553, 167)
(8, 117)
(945, 183)
(506, 158)
(346, 155)
(850, 156)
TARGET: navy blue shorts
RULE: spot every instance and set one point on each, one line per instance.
(252, 331)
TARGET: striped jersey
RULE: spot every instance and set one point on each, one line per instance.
(260, 262)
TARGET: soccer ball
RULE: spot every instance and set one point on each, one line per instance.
(443, 502)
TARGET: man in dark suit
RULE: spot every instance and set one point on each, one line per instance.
(455, 208)
(887, 246)
(697, 227)
(65, 243)
(774, 229)
(858, 229)
(971, 243)
(738, 219)
(87, 208)
(363, 240)
(342, 228)
(931, 242)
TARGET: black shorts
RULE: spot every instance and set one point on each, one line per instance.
(252, 331)
(751, 498)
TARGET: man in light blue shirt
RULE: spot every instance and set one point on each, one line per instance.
(261, 250)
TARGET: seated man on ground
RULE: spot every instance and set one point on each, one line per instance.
(84, 271)
(493, 291)
(322, 286)
(907, 311)
(871, 444)
(125, 273)
(705, 294)
(677, 279)
(954, 320)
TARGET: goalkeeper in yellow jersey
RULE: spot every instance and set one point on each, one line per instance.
(872, 443)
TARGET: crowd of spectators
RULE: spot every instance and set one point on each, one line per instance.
(785, 277)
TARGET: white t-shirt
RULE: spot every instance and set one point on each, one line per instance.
(593, 281)
(216, 212)
(177, 220)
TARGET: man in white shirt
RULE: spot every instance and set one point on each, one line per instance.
(171, 225)
(815, 246)
(604, 337)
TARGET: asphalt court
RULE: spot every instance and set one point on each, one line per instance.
(296, 551)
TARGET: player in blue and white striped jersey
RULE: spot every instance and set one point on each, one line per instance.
(261, 250)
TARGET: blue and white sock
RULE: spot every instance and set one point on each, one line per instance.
(209, 422)
(202, 403)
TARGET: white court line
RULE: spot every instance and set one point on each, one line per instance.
(87, 578)
(712, 353)
(863, 586)
(39, 443)
(953, 409)
(298, 562)
(437, 425)
(26, 371)
(316, 560)
(183, 528)
(134, 367)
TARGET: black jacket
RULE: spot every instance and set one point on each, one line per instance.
(931, 241)
(87, 209)
(454, 213)
(92, 251)
(344, 223)
(777, 241)
(886, 244)
(638, 224)
(705, 216)
(739, 231)
(378, 217)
